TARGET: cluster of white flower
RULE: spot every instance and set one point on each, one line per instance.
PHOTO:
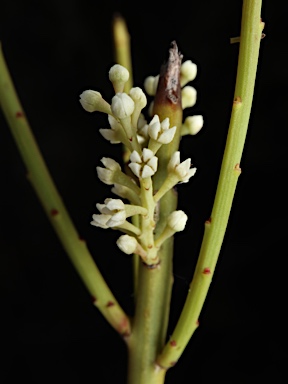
(129, 127)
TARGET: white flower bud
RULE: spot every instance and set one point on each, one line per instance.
(189, 96)
(188, 72)
(118, 75)
(127, 244)
(122, 105)
(151, 84)
(138, 96)
(177, 220)
(92, 101)
(192, 125)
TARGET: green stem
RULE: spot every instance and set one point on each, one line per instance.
(251, 30)
(151, 317)
(155, 285)
(52, 203)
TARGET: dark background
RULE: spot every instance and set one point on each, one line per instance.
(50, 331)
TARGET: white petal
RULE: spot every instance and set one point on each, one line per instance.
(147, 171)
(135, 168)
(110, 135)
(100, 220)
(135, 157)
(114, 123)
(147, 154)
(189, 174)
(110, 164)
(101, 208)
(174, 161)
(155, 119)
(167, 136)
(183, 168)
(117, 219)
(114, 204)
(153, 163)
(105, 175)
(165, 123)
(153, 130)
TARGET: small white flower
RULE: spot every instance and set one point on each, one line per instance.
(177, 220)
(112, 214)
(192, 125)
(106, 174)
(145, 165)
(118, 75)
(114, 135)
(122, 105)
(92, 101)
(161, 132)
(188, 72)
(182, 170)
(189, 96)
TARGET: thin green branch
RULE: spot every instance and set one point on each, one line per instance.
(215, 227)
(52, 203)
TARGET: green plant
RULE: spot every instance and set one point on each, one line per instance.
(153, 278)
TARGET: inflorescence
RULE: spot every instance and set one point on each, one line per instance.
(142, 140)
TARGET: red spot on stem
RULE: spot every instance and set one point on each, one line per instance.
(93, 298)
(130, 138)
(197, 322)
(206, 271)
(54, 212)
(173, 363)
(237, 167)
(19, 114)
(110, 304)
(173, 343)
(237, 100)
(208, 221)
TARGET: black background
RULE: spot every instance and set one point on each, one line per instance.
(50, 331)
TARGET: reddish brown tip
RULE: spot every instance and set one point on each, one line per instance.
(169, 89)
